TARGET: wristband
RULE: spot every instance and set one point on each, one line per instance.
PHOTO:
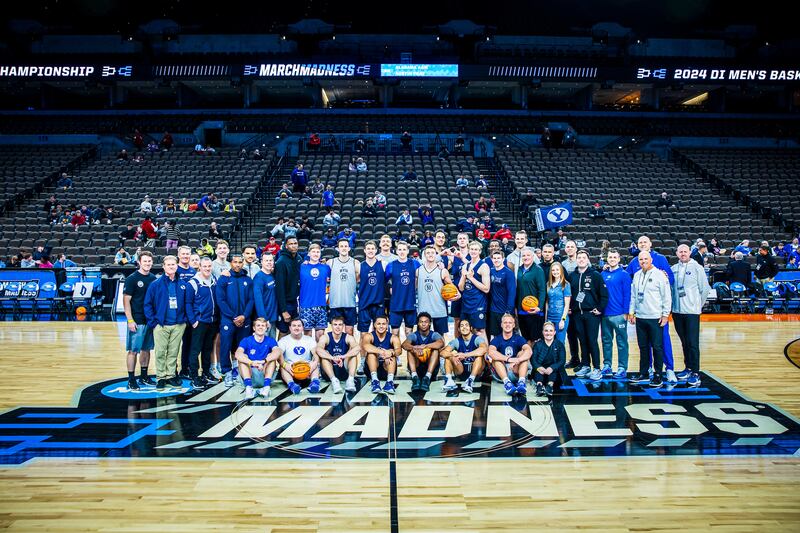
(131, 321)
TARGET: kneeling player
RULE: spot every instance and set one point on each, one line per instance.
(381, 350)
(338, 354)
(510, 355)
(463, 356)
(422, 347)
(296, 348)
(256, 356)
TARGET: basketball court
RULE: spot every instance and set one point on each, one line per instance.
(80, 453)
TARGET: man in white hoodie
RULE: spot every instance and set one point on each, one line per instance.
(651, 304)
(689, 294)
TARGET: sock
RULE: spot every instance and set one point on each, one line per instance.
(289, 384)
(131, 375)
(374, 376)
(428, 375)
(267, 382)
(144, 371)
(390, 377)
(471, 380)
(334, 380)
(521, 381)
(506, 381)
(414, 375)
(248, 382)
(449, 376)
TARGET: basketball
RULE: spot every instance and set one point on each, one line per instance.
(301, 370)
(426, 352)
(529, 303)
(449, 292)
(80, 311)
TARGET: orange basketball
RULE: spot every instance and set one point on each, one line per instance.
(301, 370)
(529, 303)
(80, 311)
(449, 292)
(426, 352)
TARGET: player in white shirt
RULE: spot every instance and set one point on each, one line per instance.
(297, 347)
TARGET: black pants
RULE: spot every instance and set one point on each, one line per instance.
(688, 328)
(530, 327)
(186, 347)
(587, 327)
(572, 337)
(649, 335)
(203, 345)
(554, 378)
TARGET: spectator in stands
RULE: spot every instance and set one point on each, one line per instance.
(426, 214)
(462, 182)
(361, 166)
(482, 204)
(210, 150)
(184, 206)
(98, 215)
(466, 224)
(738, 270)
(427, 239)
(230, 207)
(304, 232)
(398, 236)
(528, 201)
(492, 203)
(379, 200)
(257, 155)
(138, 158)
(570, 138)
(488, 222)
(503, 233)
(63, 262)
(170, 207)
(50, 203)
(665, 200)
(699, 254)
(78, 220)
(122, 155)
(171, 235)
(202, 203)
(41, 252)
(458, 145)
(14, 262)
(138, 140)
(444, 154)
(715, 249)
(152, 146)
(317, 188)
(330, 144)
(277, 229)
(404, 219)
(409, 175)
(314, 142)
(64, 182)
(481, 184)
(213, 231)
(158, 209)
(299, 179)
(597, 212)
(128, 233)
(284, 193)
(167, 141)
(290, 229)
(331, 220)
(55, 215)
(308, 222)
(243, 154)
(214, 205)
(65, 218)
(360, 145)
(744, 248)
(350, 235)
(149, 232)
(205, 249)
(328, 199)
(27, 261)
(146, 206)
(766, 267)
(329, 240)
(351, 166)
(369, 209)
(122, 257)
(272, 247)
(405, 141)
(413, 238)
(547, 138)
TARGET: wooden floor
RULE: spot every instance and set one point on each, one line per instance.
(43, 364)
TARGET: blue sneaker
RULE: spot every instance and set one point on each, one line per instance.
(510, 388)
(376, 386)
(314, 387)
(694, 380)
(621, 373)
(607, 371)
(683, 374)
(294, 387)
(521, 389)
(389, 387)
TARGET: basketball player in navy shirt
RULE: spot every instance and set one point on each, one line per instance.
(463, 357)
(257, 356)
(338, 354)
(503, 292)
(371, 287)
(424, 338)
(510, 357)
(314, 278)
(474, 286)
(402, 274)
(459, 254)
(381, 350)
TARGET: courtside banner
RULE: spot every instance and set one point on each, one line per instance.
(26, 284)
(554, 216)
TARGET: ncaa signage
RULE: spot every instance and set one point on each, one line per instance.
(306, 70)
(554, 216)
(606, 418)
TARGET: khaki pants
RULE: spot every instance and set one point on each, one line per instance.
(168, 346)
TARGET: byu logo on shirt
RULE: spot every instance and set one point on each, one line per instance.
(557, 214)
(314, 272)
(299, 350)
(252, 351)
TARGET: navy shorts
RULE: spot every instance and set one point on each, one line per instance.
(455, 309)
(348, 313)
(440, 325)
(366, 315)
(397, 318)
(477, 319)
(340, 372)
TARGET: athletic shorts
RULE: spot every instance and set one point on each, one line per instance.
(314, 318)
(348, 313)
(397, 318)
(476, 319)
(256, 375)
(455, 309)
(511, 375)
(530, 327)
(366, 315)
(467, 364)
(494, 323)
(141, 340)
(283, 327)
(339, 372)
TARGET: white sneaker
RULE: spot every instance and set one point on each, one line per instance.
(336, 385)
(583, 371)
(249, 393)
(350, 385)
(215, 372)
(264, 392)
(230, 380)
(361, 363)
(671, 377)
(449, 384)
(595, 375)
(467, 386)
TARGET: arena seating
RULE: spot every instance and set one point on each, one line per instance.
(436, 185)
(628, 184)
(178, 173)
(97, 124)
(771, 177)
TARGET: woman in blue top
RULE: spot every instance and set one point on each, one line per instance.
(559, 294)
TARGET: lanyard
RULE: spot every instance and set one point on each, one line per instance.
(643, 283)
(683, 267)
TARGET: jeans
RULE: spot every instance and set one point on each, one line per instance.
(688, 328)
(615, 326)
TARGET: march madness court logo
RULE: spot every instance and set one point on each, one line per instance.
(608, 418)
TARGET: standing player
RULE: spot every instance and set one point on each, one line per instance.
(440, 244)
(338, 354)
(185, 273)
(287, 283)
(381, 350)
(431, 277)
(422, 348)
(459, 254)
(463, 356)
(256, 357)
(386, 257)
(570, 264)
(503, 292)
(140, 338)
(250, 265)
(221, 263)
(235, 298)
(344, 282)
(371, 288)
(510, 356)
(474, 286)
(264, 293)
(403, 304)
(202, 314)
(297, 347)
(314, 278)
(521, 243)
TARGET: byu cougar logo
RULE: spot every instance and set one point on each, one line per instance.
(558, 214)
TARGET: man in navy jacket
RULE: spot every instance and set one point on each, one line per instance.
(165, 309)
(202, 314)
(235, 299)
